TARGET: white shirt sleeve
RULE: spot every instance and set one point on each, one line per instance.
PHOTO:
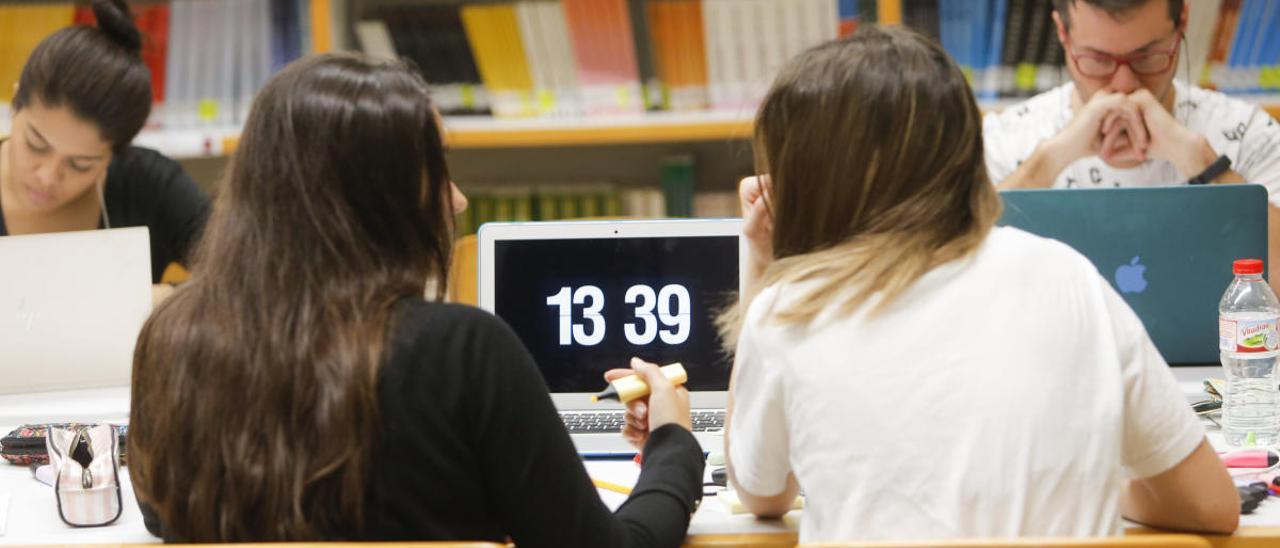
(1160, 429)
(1000, 156)
(759, 448)
(1259, 158)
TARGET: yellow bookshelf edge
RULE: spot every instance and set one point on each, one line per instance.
(620, 134)
(478, 138)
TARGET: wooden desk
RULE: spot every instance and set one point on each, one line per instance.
(33, 519)
(1245, 537)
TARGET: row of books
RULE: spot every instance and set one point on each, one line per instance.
(519, 202)
(592, 57)
(208, 58)
(1010, 47)
(564, 58)
(574, 57)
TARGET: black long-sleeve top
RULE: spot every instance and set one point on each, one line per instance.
(472, 448)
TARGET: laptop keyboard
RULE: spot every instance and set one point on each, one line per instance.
(599, 422)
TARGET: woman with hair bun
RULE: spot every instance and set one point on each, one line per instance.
(83, 95)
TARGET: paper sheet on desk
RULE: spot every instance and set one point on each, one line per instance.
(623, 472)
(4, 512)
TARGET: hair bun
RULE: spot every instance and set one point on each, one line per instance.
(116, 21)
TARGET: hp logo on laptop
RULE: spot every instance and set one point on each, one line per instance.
(1130, 278)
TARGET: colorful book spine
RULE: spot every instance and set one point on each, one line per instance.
(889, 12)
(651, 82)
(22, 27)
(494, 35)
(321, 18)
(1220, 45)
(1202, 18)
(1269, 76)
(604, 51)
(538, 53)
(558, 52)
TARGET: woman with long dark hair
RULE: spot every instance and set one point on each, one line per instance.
(301, 387)
(82, 97)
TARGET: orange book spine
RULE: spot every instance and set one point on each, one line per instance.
(889, 12)
(321, 26)
(693, 42)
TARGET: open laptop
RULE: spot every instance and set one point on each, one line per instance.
(71, 307)
(586, 296)
(1166, 250)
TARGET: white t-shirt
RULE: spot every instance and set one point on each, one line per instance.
(1009, 393)
(1239, 129)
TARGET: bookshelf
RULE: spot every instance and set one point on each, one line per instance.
(710, 72)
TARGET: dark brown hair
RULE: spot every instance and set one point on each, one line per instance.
(96, 72)
(254, 406)
(873, 147)
(1115, 8)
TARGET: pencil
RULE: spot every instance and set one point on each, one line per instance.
(611, 486)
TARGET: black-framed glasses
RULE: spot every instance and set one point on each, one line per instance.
(1104, 65)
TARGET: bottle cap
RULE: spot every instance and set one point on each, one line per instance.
(1247, 266)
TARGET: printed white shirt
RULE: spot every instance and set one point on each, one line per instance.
(1234, 127)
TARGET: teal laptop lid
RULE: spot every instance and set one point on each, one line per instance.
(1166, 250)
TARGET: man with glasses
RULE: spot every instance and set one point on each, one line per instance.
(1124, 120)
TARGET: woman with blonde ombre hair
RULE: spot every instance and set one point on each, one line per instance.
(916, 370)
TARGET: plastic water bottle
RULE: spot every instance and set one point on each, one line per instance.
(1249, 341)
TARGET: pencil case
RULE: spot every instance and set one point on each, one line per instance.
(26, 444)
(86, 464)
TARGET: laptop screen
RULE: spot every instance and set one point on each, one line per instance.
(1166, 250)
(585, 305)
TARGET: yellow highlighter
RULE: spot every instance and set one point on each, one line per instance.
(633, 386)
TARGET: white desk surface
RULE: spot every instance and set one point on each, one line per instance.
(33, 516)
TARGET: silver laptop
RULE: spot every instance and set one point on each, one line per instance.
(71, 307)
(586, 296)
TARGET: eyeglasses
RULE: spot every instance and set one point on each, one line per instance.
(1103, 65)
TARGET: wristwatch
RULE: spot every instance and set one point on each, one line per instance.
(1218, 167)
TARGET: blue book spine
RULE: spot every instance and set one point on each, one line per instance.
(1240, 45)
(848, 10)
(278, 36)
(994, 29)
(1257, 53)
(951, 37)
(1269, 56)
(963, 22)
(946, 34)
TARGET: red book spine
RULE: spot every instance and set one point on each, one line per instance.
(84, 16)
(153, 21)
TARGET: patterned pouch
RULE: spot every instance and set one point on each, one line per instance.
(25, 445)
(86, 461)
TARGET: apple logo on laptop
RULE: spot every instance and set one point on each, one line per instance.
(1129, 277)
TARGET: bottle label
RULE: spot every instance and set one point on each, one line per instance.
(1248, 336)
